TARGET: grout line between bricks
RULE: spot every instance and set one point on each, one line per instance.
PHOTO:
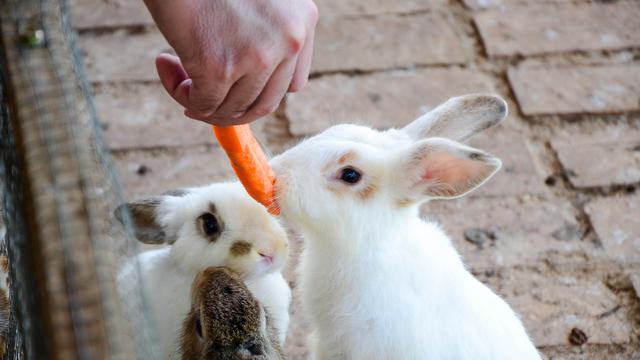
(625, 116)
(163, 149)
(566, 188)
(128, 29)
(360, 72)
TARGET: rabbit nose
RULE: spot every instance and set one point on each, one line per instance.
(255, 349)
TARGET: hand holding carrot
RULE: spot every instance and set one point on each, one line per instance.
(236, 58)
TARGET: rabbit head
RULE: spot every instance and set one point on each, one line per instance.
(215, 225)
(225, 321)
(350, 171)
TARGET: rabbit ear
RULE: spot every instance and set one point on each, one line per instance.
(441, 168)
(142, 215)
(459, 118)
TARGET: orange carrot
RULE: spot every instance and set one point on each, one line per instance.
(249, 163)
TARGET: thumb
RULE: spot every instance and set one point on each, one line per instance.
(174, 78)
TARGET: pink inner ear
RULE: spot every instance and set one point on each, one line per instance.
(446, 169)
(442, 168)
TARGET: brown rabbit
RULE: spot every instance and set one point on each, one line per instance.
(225, 321)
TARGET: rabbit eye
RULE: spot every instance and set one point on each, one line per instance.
(210, 224)
(350, 175)
(198, 326)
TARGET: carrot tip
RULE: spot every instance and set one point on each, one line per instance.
(274, 210)
(249, 163)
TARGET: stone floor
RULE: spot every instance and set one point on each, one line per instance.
(559, 226)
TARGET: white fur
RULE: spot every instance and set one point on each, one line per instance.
(376, 281)
(167, 273)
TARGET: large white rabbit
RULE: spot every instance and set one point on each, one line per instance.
(215, 225)
(378, 282)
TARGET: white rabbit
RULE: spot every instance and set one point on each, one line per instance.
(376, 281)
(215, 225)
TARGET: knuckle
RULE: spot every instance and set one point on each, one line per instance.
(262, 60)
(223, 72)
(295, 43)
(220, 69)
(295, 35)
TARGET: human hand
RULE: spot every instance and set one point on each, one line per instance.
(236, 58)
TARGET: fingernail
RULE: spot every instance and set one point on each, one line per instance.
(200, 114)
(237, 115)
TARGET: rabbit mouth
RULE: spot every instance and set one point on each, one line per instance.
(266, 259)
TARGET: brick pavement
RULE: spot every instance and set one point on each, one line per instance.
(559, 230)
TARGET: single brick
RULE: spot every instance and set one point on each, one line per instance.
(618, 164)
(519, 174)
(146, 173)
(576, 89)
(549, 28)
(374, 7)
(122, 56)
(144, 116)
(617, 223)
(381, 100)
(552, 304)
(516, 231)
(96, 14)
(383, 42)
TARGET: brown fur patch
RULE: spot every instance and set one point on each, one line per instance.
(240, 248)
(143, 212)
(146, 229)
(213, 209)
(342, 160)
(346, 158)
(4, 264)
(404, 203)
(368, 191)
(5, 320)
(190, 345)
(336, 190)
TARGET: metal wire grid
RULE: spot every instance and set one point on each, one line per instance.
(60, 191)
(14, 341)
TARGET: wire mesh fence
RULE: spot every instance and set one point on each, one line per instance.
(59, 191)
